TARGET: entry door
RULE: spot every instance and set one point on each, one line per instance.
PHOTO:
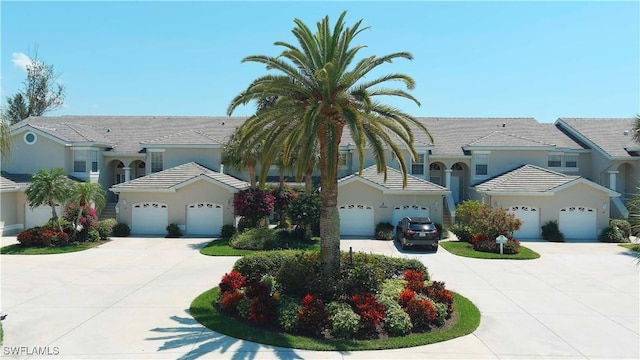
(455, 188)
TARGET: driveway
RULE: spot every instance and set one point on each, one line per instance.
(129, 299)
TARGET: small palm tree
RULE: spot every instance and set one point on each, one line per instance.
(319, 92)
(49, 188)
(87, 193)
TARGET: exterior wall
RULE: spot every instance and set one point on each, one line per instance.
(8, 213)
(200, 191)
(359, 193)
(206, 157)
(44, 154)
(500, 162)
(577, 195)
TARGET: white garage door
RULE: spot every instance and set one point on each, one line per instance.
(149, 219)
(408, 210)
(578, 222)
(530, 217)
(356, 220)
(204, 219)
(37, 216)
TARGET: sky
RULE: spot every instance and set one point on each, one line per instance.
(538, 59)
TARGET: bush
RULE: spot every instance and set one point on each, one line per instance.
(397, 322)
(441, 313)
(393, 267)
(232, 281)
(421, 312)
(261, 239)
(227, 231)
(173, 231)
(121, 230)
(288, 310)
(93, 235)
(253, 205)
(313, 316)
(484, 243)
(468, 211)
(362, 274)
(437, 292)
(462, 231)
(551, 232)
(42, 236)
(392, 288)
(482, 219)
(623, 225)
(344, 321)
(105, 228)
(299, 274)
(305, 210)
(384, 231)
(611, 234)
(257, 265)
(370, 310)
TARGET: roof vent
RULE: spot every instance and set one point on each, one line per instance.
(503, 124)
(626, 133)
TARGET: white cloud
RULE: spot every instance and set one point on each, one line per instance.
(21, 60)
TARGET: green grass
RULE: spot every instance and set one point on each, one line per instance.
(465, 249)
(633, 247)
(220, 247)
(203, 311)
(17, 249)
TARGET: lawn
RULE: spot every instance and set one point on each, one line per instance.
(465, 249)
(220, 247)
(17, 249)
(203, 311)
(633, 247)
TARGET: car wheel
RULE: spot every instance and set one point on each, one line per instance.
(402, 245)
(434, 247)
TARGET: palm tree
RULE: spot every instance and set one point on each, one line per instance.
(49, 188)
(236, 157)
(87, 193)
(635, 132)
(318, 92)
(5, 136)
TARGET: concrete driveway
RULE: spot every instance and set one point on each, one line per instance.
(129, 299)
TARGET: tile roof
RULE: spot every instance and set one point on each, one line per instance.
(608, 134)
(127, 133)
(500, 138)
(394, 180)
(174, 177)
(7, 184)
(526, 179)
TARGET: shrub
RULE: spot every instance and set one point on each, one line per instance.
(105, 227)
(441, 313)
(305, 210)
(391, 288)
(393, 267)
(484, 243)
(253, 205)
(257, 265)
(415, 280)
(288, 310)
(396, 321)
(263, 307)
(42, 236)
(468, 211)
(421, 312)
(366, 305)
(611, 234)
(261, 239)
(83, 219)
(462, 231)
(437, 292)
(485, 220)
(227, 231)
(173, 231)
(232, 281)
(551, 232)
(93, 235)
(406, 296)
(121, 230)
(313, 316)
(384, 231)
(623, 225)
(230, 300)
(282, 197)
(244, 305)
(299, 274)
(361, 274)
(344, 321)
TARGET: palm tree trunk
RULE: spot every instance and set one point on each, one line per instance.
(329, 217)
(252, 175)
(308, 188)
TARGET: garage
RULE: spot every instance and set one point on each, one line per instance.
(408, 210)
(578, 222)
(37, 216)
(356, 220)
(530, 217)
(204, 219)
(149, 219)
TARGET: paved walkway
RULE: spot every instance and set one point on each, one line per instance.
(129, 299)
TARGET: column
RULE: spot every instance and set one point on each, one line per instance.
(447, 178)
(612, 179)
(127, 173)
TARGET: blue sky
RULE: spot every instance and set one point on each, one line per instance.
(504, 59)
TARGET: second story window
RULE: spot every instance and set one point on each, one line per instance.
(79, 161)
(555, 161)
(344, 159)
(482, 164)
(94, 160)
(417, 166)
(571, 161)
(156, 161)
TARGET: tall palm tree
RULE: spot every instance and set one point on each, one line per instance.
(87, 193)
(236, 157)
(49, 188)
(319, 91)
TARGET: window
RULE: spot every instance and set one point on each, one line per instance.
(343, 159)
(94, 160)
(30, 138)
(156, 161)
(571, 161)
(482, 161)
(79, 161)
(417, 167)
(555, 161)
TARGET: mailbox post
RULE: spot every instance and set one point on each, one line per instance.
(501, 240)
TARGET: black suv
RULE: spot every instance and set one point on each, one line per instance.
(417, 231)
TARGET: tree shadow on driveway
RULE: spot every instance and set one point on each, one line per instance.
(202, 341)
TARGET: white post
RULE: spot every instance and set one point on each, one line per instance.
(127, 173)
(447, 178)
(501, 240)
(612, 179)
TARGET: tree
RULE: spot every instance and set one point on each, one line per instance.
(49, 188)
(635, 132)
(85, 194)
(5, 136)
(318, 92)
(41, 93)
(236, 157)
